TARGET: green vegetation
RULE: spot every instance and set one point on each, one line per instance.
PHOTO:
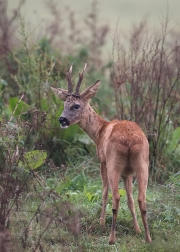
(63, 215)
(50, 187)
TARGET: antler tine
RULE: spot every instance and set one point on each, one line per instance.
(81, 75)
(69, 81)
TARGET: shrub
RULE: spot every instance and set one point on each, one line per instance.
(146, 79)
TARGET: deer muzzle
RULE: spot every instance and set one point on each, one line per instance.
(64, 122)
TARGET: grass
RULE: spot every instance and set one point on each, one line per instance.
(68, 220)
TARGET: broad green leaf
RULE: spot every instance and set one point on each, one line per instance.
(62, 185)
(3, 82)
(70, 132)
(89, 195)
(174, 140)
(21, 108)
(33, 159)
(83, 138)
(122, 192)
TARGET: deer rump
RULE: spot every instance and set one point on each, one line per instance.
(125, 144)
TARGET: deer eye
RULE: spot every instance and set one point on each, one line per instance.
(76, 106)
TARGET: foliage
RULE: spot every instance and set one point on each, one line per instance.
(50, 190)
(60, 225)
(145, 78)
(33, 159)
(31, 143)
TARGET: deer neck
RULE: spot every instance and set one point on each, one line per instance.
(92, 123)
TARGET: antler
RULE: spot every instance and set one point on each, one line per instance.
(68, 78)
(81, 75)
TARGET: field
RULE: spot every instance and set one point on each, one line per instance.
(50, 185)
(64, 215)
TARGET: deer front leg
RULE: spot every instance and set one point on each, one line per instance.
(104, 193)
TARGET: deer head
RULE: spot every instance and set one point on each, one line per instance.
(75, 104)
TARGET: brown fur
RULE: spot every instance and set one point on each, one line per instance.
(123, 151)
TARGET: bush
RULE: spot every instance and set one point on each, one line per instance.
(146, 79)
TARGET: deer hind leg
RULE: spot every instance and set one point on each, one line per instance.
(128, 187)
(142, 177)
(104, 193)
(113, 178)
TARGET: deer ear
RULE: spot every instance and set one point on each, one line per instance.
(62, 93)
(89, 92)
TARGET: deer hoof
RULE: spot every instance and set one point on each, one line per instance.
(148, 239)
(111, 242)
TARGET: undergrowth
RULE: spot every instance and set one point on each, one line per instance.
(66, 216)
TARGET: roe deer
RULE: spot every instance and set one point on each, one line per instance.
(122, 149)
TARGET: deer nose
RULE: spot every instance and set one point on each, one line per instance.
(64, 122)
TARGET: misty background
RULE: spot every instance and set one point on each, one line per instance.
(125, 13)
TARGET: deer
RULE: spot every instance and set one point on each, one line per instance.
(121, 146)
